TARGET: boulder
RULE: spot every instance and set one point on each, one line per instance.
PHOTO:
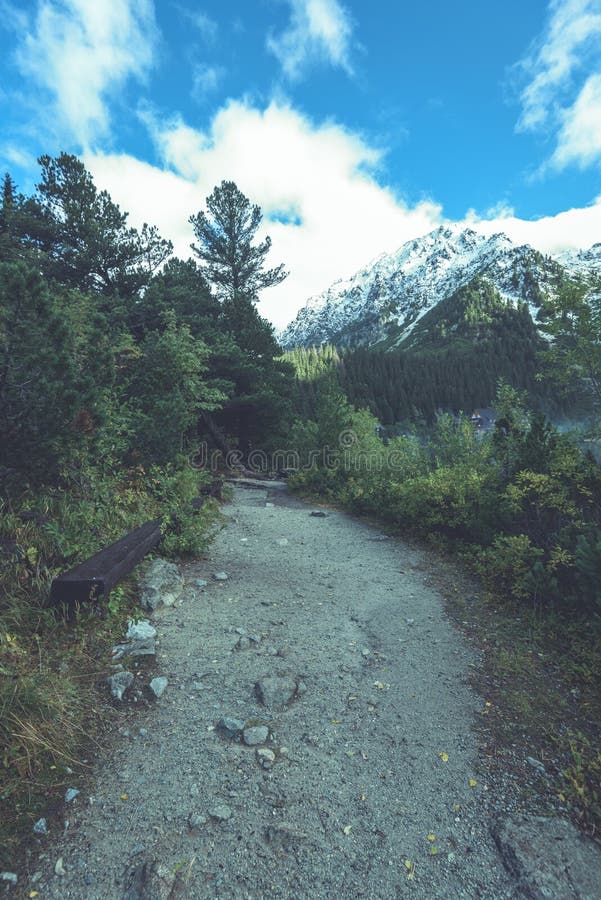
(160, 584)
(119, 683)
(549, 858)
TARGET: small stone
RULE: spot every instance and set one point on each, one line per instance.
(59, 868)
(137, 849)
(198, 686)
(140, 630)
(71, 794)
(142, 731)
(254, 638)
(40, 827)
(276, 690)
(282, 542)
(230, 727)
(221, 812)
(243, 643)
(158, 685)
(119, 683)
(318, 514)
(145, 647)
(161, 583)
(197, 821)
(365, 652)
(240, 631)
(9, 876)
(266, 757)
(536, 764)
(221, 576)
(269, 506)
(201, 583)
(410, 621)
(257, 734)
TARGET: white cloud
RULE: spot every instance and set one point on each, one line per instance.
(571, 229)
(206, 25)
(561, 94)
(82, 52)
(579, 139)
(316, 184)
(325, 212)
(319, 31)
(17, 156)
(205, 80)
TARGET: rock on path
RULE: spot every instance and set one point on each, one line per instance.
(359, 776)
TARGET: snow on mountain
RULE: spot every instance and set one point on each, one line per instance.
(582, 262)
(385, 299)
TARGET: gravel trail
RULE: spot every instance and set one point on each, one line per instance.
(372, 788)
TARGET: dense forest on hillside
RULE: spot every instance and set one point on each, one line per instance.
(452, 362)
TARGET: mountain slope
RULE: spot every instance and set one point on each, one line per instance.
(382, 303)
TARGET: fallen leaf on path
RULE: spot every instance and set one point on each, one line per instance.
(433, 851)
(363, 797)
(431, 837)
(444, 756)
(124, 796)
(347, 829)
(473, 782)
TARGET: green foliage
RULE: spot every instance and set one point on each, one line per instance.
(525, 498)
(572, 322)
(41, 389)
(165, 387)
(89, 245)
(508, 563)
(225, 235)
(582, 777)
(587, 560)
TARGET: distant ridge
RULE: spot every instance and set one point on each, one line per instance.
(382, 302)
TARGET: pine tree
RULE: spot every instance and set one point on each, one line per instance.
(225, 235)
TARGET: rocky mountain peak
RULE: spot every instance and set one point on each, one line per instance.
(384, 300)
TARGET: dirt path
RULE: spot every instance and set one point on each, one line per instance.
(375, 791)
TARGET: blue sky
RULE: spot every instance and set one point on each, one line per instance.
(355, 125)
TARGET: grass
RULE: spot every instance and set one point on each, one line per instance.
(540, 678)
(54, 706)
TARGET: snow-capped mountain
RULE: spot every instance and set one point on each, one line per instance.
(582, 262)
(387, 298)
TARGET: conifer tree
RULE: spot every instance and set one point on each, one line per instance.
(225, 237)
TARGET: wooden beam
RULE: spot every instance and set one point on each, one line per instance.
(97, 576)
